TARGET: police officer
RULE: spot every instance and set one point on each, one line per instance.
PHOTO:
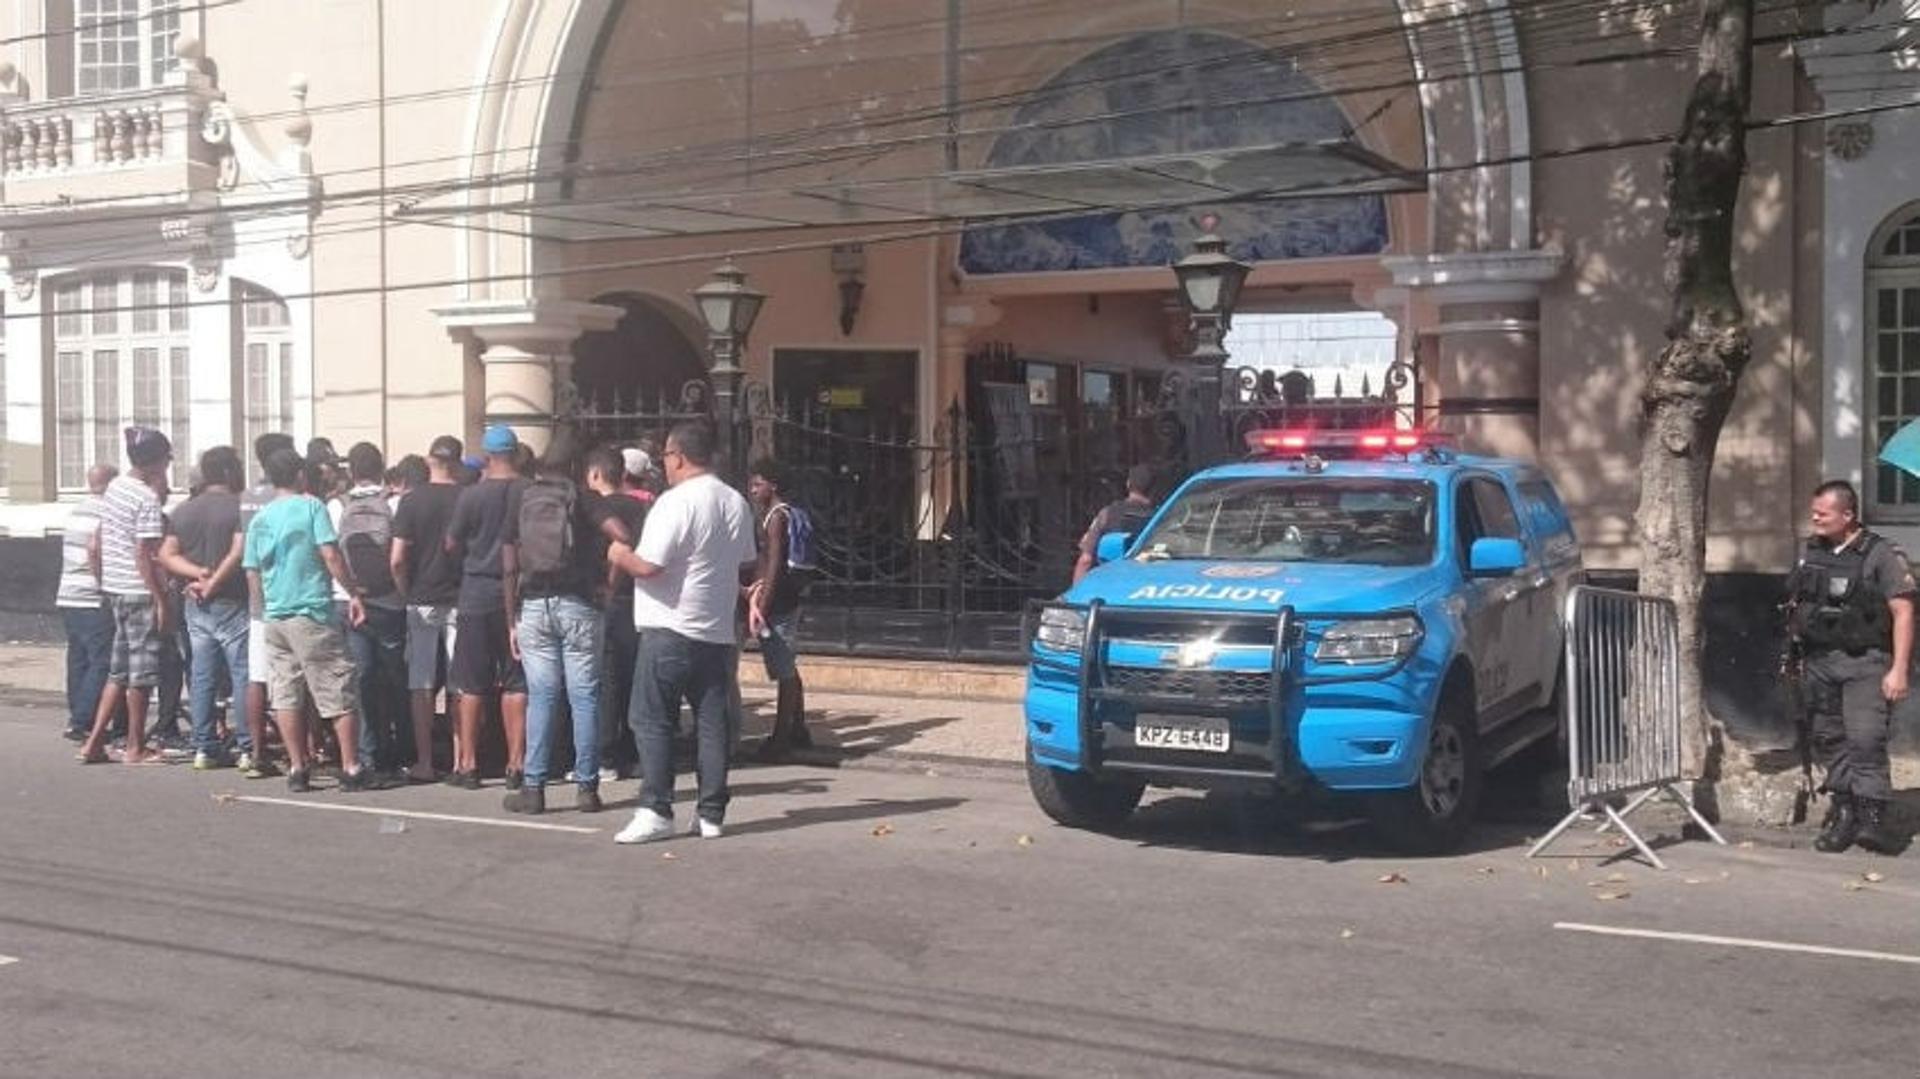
(1129, 514)
(1851, 598)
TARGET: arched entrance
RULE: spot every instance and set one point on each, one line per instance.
(643, 364)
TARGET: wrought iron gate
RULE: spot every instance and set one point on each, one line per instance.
(943, 546)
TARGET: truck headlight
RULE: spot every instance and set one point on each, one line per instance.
(1369, 640)
(1062, 629)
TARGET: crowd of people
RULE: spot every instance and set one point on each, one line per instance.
(317, 616)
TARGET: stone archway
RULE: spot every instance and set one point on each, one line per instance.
(644, 359)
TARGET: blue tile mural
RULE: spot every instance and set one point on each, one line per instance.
(1175, 91)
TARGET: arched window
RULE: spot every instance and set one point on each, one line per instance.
(1893, 359)
(266, 370)
(120, 349)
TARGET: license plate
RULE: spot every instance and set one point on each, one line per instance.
(1194, 733)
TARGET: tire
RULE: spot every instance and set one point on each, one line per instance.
(1078, 800)
(1434, 815)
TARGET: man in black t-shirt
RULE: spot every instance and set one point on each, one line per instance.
(203, 549)
(555, 619)
(483, 666)
(429, 576)
(607, 478)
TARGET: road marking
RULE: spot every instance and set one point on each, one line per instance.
(414, 815)
(1738, 942)
(8, 960)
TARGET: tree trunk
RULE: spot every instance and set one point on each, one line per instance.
(1690, 389)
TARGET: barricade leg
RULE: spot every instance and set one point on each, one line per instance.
(1638, 801)
(1686, 803)
(1558, 829)
(1620, 822)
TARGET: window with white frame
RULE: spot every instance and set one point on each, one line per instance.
(124, 44)
(266, 353)
(1893, 361)
(121, 358)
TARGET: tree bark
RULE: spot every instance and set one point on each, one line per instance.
(1690, 389)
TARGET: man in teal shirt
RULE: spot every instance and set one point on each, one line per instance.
(291, 551)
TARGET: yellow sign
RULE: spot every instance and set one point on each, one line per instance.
(846, 397)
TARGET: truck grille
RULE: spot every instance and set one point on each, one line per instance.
(1199, 684)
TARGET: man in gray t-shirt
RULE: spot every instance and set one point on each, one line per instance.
(204, 550)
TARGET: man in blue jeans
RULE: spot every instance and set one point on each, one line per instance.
(554, 556)
(204, 550)
(363, 521)
(687, 574)
(83, 607)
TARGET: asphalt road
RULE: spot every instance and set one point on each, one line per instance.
(884, 923)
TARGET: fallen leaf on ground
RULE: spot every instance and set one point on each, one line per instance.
(1543, 871)
(1693, 880)
(1346, 934)
(225, 797)
(1746, 844)
(1393, 878)
(1855, 886)
(1485, 871)
(1873, 878)
(883, 829)
(1617, 842)
(1025, 841)
(1573, 866)
(1603, 896)
(669, 856)
(1616, 878)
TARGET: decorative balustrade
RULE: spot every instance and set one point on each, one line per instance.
(63, 136)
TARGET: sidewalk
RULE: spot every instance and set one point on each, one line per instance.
(918, 714)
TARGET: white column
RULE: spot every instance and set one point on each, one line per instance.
(29, 446)
(214, 385)
(526, 356)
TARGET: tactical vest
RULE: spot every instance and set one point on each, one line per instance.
(1126, 516)
(1834, 608)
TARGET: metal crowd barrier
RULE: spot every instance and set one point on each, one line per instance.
(1623, 711)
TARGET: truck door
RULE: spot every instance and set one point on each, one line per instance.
(1497, 621)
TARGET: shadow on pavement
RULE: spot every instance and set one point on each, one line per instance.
(865, 809)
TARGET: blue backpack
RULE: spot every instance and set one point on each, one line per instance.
(801, 552)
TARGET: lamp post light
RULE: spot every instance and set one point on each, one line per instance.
(1210, 281)
(729, 308)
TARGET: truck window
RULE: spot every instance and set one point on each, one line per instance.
(1483, 510)
(1360, 521)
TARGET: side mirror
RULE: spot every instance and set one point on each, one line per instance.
(1494, 557)
(1112, 547)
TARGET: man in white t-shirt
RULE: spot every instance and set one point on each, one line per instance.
(686, 589)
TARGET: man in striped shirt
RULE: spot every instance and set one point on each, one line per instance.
(130, 532)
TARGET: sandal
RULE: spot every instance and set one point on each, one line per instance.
(98, 756)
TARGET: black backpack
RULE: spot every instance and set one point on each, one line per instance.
(546, 527)
(366, 541)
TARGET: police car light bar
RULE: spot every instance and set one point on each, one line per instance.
(1324, 443)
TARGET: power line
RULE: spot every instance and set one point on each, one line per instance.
(951, 227)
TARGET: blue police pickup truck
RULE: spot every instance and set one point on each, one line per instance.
(1361, 611)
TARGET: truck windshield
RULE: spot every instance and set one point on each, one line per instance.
(1285, 519)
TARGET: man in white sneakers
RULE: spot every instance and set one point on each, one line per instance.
(687, 569)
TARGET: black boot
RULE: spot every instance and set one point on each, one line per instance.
(1841, 826)
(1875, 835)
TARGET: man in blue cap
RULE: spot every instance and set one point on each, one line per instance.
(483, 666)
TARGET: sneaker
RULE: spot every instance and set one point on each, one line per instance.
(299, 781)
(72, 735)
(645, 827)
(244, 762)
(516, 780)
(360, 779)
(530, 800)
(207, 762)
(707, 829)
(260, 769)
(464, 780)
(587, 800)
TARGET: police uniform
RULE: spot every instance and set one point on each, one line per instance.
(1845, 630)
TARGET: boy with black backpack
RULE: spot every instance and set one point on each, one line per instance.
(363, 520)
(554, 556)
(787, 565)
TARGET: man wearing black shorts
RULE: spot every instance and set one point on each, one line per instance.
(483, 667)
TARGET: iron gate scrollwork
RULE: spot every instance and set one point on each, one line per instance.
(940, 543)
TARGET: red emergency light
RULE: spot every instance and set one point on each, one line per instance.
(1343, 443)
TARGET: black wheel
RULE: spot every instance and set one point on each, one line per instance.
(1433, 815)
(1078, 800)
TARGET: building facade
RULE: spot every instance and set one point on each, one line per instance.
(385, 220)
